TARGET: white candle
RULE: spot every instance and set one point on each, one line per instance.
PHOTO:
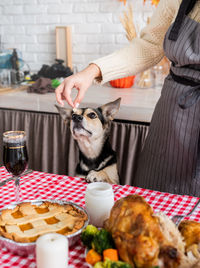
(52, 251)
(99, 199)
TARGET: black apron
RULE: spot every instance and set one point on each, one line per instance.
(170, 160)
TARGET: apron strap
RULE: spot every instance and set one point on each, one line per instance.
(185, 7)
(189, 97)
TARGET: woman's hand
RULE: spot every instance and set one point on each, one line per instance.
(81, 81)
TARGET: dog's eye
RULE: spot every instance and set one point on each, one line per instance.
(92, 115)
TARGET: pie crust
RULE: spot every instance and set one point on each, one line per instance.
(26, 222)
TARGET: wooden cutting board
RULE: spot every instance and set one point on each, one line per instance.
(5, 90)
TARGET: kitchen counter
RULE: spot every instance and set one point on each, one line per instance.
(136, 105)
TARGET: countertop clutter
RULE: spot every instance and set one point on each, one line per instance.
(136, 104)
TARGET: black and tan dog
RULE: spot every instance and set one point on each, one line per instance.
(91, 129)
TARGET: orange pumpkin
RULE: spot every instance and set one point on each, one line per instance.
(123, 1)
(125, 82)
(153, 2)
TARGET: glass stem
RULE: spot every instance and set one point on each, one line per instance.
(17, 189)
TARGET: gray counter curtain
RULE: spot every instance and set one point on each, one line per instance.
(51, 147)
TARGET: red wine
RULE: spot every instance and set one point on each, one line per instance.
(15, 157)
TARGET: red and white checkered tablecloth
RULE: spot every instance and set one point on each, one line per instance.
(39, 185)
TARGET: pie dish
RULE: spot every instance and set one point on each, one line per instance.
(26, 222)
(22, 223)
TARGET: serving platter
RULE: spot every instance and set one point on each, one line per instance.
(24, 249)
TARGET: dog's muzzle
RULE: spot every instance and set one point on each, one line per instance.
(77, 118)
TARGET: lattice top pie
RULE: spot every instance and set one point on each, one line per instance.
(26, 222)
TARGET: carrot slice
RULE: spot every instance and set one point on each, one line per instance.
(110, 254)
(92, 257)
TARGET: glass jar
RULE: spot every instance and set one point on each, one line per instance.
(159, 75)
(99, 199)
(5, 79)
(161, 70)
(145, 79)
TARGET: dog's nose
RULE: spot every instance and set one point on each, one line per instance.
(77, 117)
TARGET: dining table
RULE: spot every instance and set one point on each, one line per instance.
(40, 185)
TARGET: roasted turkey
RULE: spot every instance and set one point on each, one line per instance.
(138, 235)
(190, 231)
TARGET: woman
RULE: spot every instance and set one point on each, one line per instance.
(170, 160)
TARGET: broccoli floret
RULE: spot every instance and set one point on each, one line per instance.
(99, 265)
(88, 235)
(102, 240)
(116, 264)
(120, 264)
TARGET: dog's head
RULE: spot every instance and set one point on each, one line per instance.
(91, 123)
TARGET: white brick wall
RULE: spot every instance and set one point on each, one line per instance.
(29, 25)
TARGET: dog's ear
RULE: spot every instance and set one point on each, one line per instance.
(65, 113)
(110, 109)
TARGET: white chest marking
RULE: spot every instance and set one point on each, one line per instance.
(91, 148)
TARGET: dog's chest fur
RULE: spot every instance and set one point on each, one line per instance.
(91, 149)
(104, 158)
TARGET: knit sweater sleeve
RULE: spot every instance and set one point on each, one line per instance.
(144, 51)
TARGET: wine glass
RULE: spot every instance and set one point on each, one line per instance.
(15, 156)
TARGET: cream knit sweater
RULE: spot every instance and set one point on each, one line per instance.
(147, 50)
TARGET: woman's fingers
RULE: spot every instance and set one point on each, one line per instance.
(81, 81)
(63, 92)
(67, 95)
(59, 96)
(79, 97)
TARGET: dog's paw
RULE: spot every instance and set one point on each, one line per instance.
(94, 176)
